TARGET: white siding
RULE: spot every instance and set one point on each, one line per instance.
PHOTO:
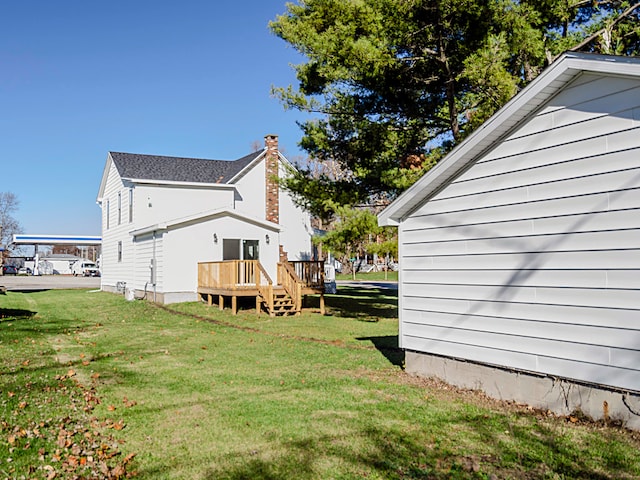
(148, 248)
(530, 259)
(156, 204)
(252, 194)
(295, 222)
(112, 270)
(296, 227)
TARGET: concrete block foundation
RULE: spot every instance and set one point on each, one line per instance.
(560, 396)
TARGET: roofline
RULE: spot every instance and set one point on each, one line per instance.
(223, 212)
(144, 181)
(103, 180)
(257, 160)
(248, 167)
(565, 69)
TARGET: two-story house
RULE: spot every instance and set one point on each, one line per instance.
(162, 216)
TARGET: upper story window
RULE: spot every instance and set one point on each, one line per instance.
(119, 208)
(119, 251)
(107, 214)
(130, 205)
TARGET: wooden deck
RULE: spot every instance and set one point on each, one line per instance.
(248, 278)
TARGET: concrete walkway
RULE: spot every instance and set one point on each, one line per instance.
(47, 282)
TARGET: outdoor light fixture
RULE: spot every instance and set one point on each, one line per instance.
(215, 238)
(266, 237)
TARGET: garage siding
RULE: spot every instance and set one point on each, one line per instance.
(531, 257)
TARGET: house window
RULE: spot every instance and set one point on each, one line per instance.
(119, 251)
(250, 250)
(130, 205)
(119, 208)
(237, 249)
(107, 214)
(231, 249)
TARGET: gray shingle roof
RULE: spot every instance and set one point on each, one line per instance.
(178, 169)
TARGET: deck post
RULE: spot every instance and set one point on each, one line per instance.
(258, 303)
(220, 302)
(209, 299)
(234, 304)
(322, 304)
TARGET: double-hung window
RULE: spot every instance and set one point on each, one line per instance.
(119, 208)
(130, 205)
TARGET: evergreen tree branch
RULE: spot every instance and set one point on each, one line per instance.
(603, 30)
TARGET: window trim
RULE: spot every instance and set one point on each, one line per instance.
(131, 205)
(107, 214)
(119, 208)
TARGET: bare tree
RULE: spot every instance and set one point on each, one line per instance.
(8, 224)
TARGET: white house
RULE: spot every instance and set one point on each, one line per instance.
(520, 251)
(163, 215)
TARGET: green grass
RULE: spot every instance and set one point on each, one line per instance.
(92, 386)
(371, 276)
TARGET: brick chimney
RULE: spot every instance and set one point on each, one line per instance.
(271, 180)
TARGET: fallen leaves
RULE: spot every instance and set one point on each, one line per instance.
(117, 425)
(78, 445)
(70, 373)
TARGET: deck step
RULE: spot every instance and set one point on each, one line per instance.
(282, 304)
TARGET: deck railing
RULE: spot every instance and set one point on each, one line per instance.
(291, 283)
(310, 272)
(232, 274)
(266, 290)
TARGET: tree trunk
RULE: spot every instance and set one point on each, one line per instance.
(453, 109)
(450, 84)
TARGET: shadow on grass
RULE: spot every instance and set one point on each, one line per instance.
(15, 313)
(365, 304)
(413, 455)
(29, 290)
(387, 346)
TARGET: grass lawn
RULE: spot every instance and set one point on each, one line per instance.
(93, 386)
(371, 276)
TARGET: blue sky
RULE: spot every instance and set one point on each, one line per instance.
(80, 78)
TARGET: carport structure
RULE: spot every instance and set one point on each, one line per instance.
(49, 240)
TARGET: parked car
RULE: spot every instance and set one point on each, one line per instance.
(24, 271)
(9, 270)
